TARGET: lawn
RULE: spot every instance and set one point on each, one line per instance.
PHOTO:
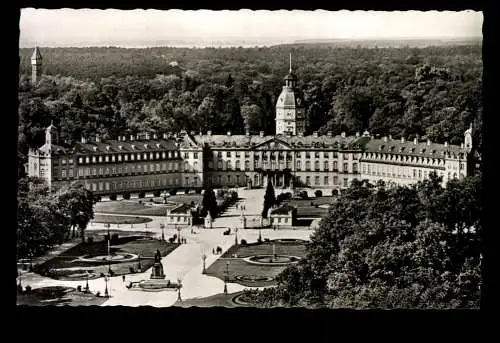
(111, 219)
(239, 268)
(144, 206)
(58, 296)
(304, 208)
(222, 300)
(70, 268)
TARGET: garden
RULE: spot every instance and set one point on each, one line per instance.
(58, 296)
(243, 271)
(130, 252)
(111, 219)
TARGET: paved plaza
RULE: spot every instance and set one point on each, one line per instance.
(185, 262)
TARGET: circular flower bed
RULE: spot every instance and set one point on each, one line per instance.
(289, 240)
(53, 291)
(114, 258)
(253, 278)
(271, 260)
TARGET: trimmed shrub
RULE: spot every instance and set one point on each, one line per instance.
(28, 288)
(98, 294)
(198, 191)
(126, 196)
(90, 240)
(112, 197)
(157, 193)
(335, 192)
(172, 191)
(142, 194)
(131, 269)
(97, 198)
(244, 242)
(318, 193)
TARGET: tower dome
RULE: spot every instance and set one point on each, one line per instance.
(290, 116)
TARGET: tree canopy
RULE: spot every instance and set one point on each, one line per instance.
(397, 247)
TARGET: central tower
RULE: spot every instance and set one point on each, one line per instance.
(290, 115)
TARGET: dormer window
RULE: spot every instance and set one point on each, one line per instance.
(380, 147)
(401, 149)
(133, 146)
(95, 148)
(158, 145)
(145, 146)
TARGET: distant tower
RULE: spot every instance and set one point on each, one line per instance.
(36, 66)
(51, 136)
(290, 115)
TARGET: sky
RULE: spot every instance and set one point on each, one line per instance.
(84, 27)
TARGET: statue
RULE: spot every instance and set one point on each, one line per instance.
(157, 271)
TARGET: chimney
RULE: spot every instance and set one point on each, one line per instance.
(415, 141)
(97, 138)
(329, 133)
(445, 144)
(84, 140)
(315, 134)
(428, 142)
(229, 133)
(402, 139)
(261, 133)
(385, 139)
(131, 137)
(342, 134)
(357, 134)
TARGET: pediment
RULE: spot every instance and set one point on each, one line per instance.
(273, 144)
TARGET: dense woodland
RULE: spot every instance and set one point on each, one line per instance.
(433, 91)
(398, 247)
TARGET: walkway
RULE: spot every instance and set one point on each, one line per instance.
(184, 262)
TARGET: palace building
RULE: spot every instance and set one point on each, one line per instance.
(290, 158)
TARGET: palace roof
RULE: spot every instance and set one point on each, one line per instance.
(424, 149)
(120, 146)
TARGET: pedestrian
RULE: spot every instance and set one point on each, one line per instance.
(123, 277)
(213, 251)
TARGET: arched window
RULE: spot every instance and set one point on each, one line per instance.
(335, 165)
(186, 166)
(195, 166)
(247, 165)
(298, 165)
(229, 166)
(316, 165)
(237, 165)
(308, 165)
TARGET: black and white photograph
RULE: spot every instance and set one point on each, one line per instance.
(250, 158)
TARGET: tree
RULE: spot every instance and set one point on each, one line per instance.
(209, 203)
(77, 204)
(269, 199)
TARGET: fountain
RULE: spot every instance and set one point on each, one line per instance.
(157, 281)
(273, 259)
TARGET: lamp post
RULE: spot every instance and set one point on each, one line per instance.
(204, 257)
(260, 235)
(179, 286)
(106, 293)
(236, 236)
(87, 283)
(139, 267)
(162, 226)
(178, 228)
(226, 277)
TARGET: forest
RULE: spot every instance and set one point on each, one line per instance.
(434, 91)
(414, 247)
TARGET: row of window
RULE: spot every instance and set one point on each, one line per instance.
(129, 157)
(278, 220)
(227, 165)
(285, 154)
(132, 184)
(403, 172)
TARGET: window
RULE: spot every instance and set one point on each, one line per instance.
(186, 155)
(106, 158)
(335, 180)
(186, 166)
(94, 171)
(308, 165)
(94, 187)
(325, 165)
(228, 154)
(195, 166)
(325, 154)
(70, 173)
(237, 179)
(87, 171)
(345, 182)
(335, 166)
(158, 167)
(186, 180)
(87, 160)
(237, 165)
(298, 165)
(335, 154)
(308, 180)
(229, 179)
(316, 165)
(107, 171)
(316, 154)
(63, 172)
(112, 158)
(195, 155)
(345, 168)
(80, 160)
(119, 157)
(308, 154)
(93, 159)
(325, 180)
(247, 165)
(344, 156)
(80, 172)
(316, 180)
(237, 154)
(228, 165)
(420, 174)
(107, 186)
(354, 167)
(144, 156)
(256, 164)
(247, 154)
